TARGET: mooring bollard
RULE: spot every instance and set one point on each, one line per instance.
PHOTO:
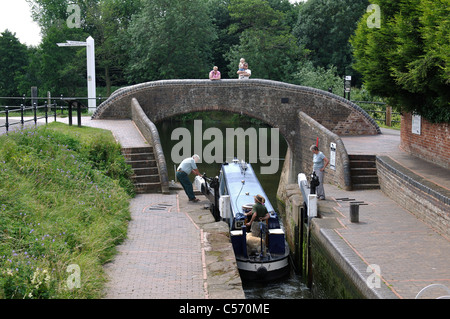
(354, 212)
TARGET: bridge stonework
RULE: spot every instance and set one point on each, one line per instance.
(276, 103)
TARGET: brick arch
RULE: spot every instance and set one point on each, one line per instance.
(291, 108)
(275, 103)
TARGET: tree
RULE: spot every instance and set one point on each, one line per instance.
(324, 29)
(171, 40)
(13, 63)
(406, 59)
(265, 40)
(105, 20)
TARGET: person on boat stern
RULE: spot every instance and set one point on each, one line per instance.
(259, 212)
(185, 168)
(320, 162)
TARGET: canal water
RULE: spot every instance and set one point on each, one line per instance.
(208, 138)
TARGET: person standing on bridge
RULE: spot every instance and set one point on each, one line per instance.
(185, 168)
(246, 73)
(214, 74)
(320, 162)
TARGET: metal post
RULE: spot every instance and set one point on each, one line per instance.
(354, 213)
(7, 122)
(70, 114)
(79, 114)
(21, 115)
(35, 113)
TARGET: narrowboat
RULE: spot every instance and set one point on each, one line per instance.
(264, 256)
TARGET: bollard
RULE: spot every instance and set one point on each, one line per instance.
(354, 213)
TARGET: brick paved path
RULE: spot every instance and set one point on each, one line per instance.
(410, 254)
(162, 256)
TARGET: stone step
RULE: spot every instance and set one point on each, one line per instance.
(362, 157)
(139, 156)
(132, 150)
(144, 188)
(363, 171)
(142, 164)
(146, 175)
(143, 179)
(145, 171)
(364, 179)
(365, 186)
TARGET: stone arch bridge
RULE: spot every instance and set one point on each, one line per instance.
(302, 114)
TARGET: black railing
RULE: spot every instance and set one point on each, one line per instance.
(45, 111)
(22, 110)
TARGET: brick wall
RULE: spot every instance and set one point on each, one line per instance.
(310, 130)
(433, 144)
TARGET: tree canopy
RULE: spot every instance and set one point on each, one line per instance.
(313, 43)
(406, 60)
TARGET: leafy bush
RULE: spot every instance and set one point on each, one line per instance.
(61, 204)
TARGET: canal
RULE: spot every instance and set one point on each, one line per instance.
(210, 137)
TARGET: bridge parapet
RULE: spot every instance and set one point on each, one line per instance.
(275, 103)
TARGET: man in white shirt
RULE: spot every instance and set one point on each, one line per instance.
(245, 75)
(187, 166)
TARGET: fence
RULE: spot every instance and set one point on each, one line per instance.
(44, 111)
(385, 116)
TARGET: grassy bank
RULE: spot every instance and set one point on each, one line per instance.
(64, 196)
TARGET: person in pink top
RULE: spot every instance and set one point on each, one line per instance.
(214, 74)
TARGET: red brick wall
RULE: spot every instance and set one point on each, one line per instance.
(433, 144)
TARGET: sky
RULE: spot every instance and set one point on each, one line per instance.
(15, 15)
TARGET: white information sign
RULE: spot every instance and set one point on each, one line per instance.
(333, 156)
(416, 124)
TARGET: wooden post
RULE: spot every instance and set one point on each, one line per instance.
(388, 121)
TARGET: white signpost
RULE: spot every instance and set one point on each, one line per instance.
(90, 53)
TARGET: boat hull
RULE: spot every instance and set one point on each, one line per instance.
(263, 270)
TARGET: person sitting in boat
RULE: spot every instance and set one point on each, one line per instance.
(259, 212)
(187, 166)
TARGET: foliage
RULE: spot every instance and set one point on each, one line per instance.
(406, 59)
(13, 61)
(170, 40)
(58, 207)
(318, 77)
(324, 28)
(265, 40)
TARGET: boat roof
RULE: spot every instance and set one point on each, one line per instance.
(242, 185)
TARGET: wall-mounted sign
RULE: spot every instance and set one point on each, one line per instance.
(333, 156)
(416, 124)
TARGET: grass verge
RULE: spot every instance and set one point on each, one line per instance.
(64, 207)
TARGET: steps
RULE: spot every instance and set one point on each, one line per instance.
(363, 171)
(146, 175)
